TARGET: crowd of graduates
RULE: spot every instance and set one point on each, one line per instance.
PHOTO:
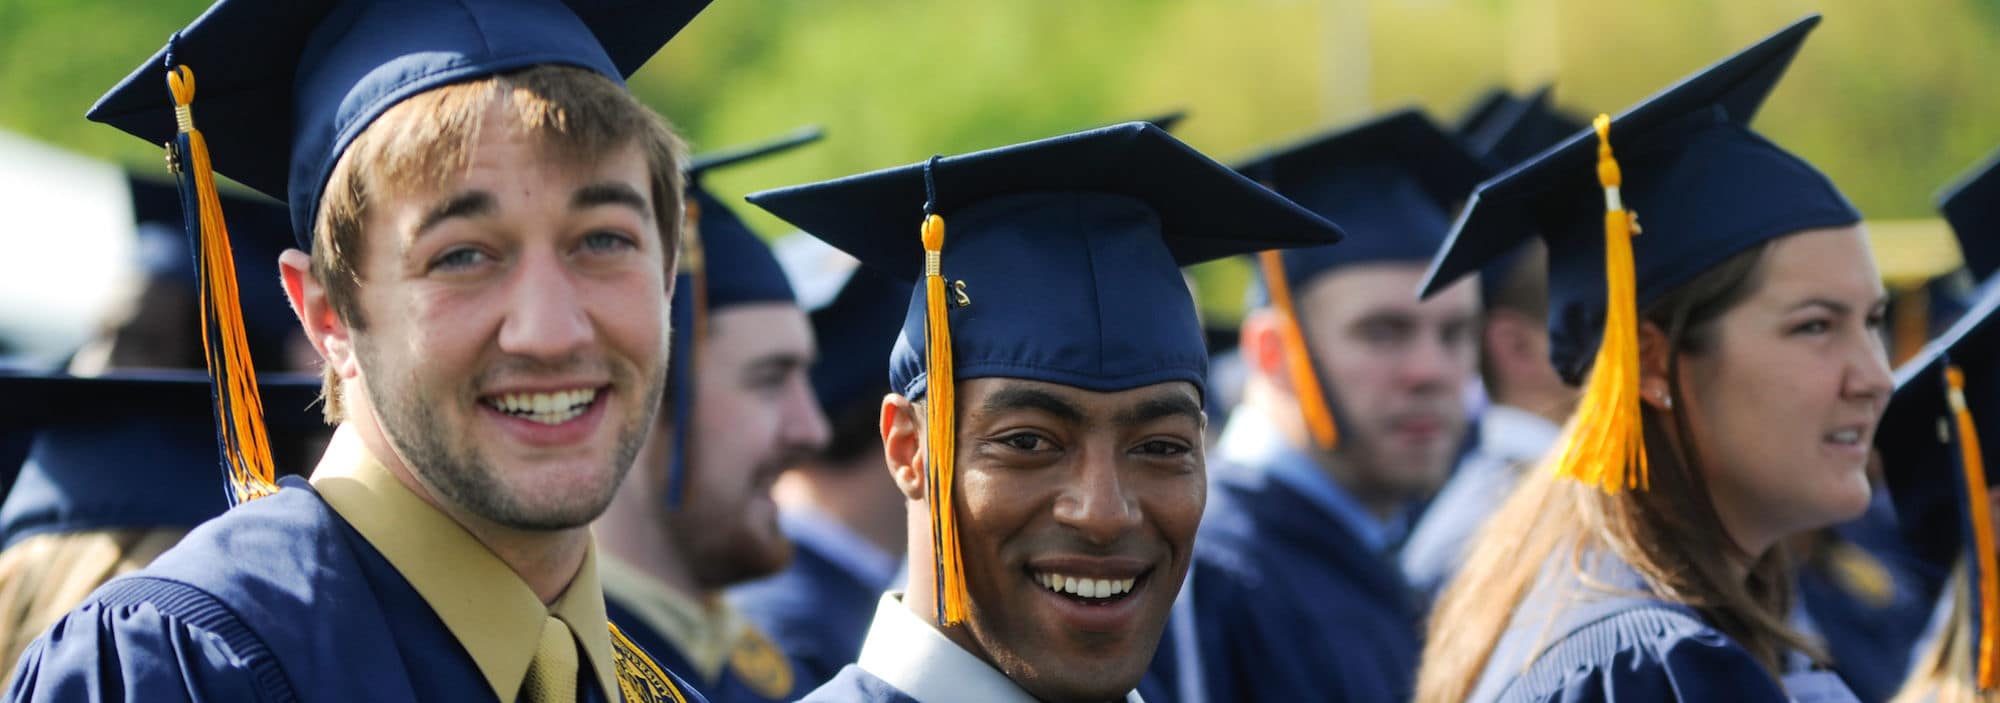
(1524, 406)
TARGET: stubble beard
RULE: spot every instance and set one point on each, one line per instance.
(463, 476)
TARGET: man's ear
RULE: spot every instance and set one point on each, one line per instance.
(1262, 342)
(903, 445)
(1654, 353)
(330, 336)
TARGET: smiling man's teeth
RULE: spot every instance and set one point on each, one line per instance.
(1845, 437)
(1085, 587)
(546, 408)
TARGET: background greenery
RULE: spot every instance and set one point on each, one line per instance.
(1892, 99)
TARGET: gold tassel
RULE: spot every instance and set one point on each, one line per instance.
(1605, 444)
(942, 436)
(1298, 359)
(240, 412)
(1982, 532)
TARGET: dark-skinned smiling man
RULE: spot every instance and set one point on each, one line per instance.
(1045, 425)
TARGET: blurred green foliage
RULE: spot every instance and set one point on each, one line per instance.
(1891, 99)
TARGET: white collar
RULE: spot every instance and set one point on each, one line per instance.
(906, 652)
(1515, 436)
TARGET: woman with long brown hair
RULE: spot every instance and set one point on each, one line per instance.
(1727, 334)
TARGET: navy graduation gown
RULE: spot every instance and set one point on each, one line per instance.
(1869, 598)
(852, 685)
(1612, 648)
(741, 681)
(816, 611)
(1290, 605)
(277, 600)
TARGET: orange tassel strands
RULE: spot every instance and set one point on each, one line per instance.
(952, 601)
(1987, 590)
(1604, 444)
(245, 446)
(1298, 359)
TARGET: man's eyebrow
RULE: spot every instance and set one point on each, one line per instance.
(1007, 399)
(471, 203)
(1159, 406)
(610, 193)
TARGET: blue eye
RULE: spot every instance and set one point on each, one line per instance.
(604, 241)
(459, 259)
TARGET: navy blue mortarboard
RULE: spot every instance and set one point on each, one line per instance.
(1945, 409)
(1483, 110)
(290, 85)
(857, 313)
(1063, 261)
(129, 449)
(1167, 120)
(1510, 132)
(1704, 186)
(287, 86)
(1520, 129)
(724, 264)
(1972, 206)
(1392, 183)
(738, 267)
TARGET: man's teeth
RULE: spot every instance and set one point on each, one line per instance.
(1085, 587)
(546, 408)
(1845, 437)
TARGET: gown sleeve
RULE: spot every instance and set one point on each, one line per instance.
(148, 640)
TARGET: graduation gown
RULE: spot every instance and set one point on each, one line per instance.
(1290, 605)
(277, 600)
(1867, 597)
(817, 609)
(1624, 646)
(906, 660)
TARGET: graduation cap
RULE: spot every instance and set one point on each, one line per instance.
(1704, 186)
(1945, 409)
(291, 84)
(1972, 206)
(1520, 128)
(128, 449)
(1392, 183)
(1062, 266)
(723, 264)
(1482, 110)
(857, 314)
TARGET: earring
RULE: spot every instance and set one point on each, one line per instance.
(1667, 400)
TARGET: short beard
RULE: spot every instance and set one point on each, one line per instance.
(462, 476)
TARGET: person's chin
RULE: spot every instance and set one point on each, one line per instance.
(1084, 681)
